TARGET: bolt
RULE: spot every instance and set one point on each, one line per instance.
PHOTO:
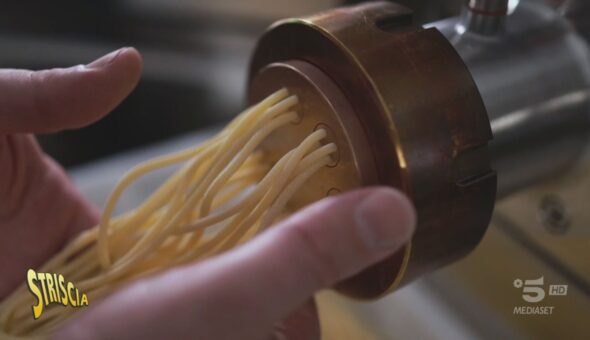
(553, 215)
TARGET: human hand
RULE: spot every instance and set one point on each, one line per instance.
(39, 207)
(263, 288)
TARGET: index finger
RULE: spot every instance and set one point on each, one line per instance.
(65, 98)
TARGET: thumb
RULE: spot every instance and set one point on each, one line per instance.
(261, 282)
(318, 247)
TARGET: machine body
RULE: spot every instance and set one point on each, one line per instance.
(532, 69)
(405, 110)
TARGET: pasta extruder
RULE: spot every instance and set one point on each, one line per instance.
(457, 113)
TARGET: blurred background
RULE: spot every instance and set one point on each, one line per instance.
(196, 54)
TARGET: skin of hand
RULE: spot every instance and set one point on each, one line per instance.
(40, 209)
(262, 289)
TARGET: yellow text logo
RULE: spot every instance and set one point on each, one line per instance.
(52, 288)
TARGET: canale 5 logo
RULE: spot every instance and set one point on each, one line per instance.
(532, 291)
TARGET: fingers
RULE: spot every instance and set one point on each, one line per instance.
(57, 99)
(248, 290)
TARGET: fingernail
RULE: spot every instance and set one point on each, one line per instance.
(106, 60)
(386, 219)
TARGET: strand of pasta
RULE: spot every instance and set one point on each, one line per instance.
(222, 195)
(147, 243)
(267, 201)
(247, 215)
(317, 160)
(103, 251)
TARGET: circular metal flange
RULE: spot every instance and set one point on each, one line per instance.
(320, 105)
(403, 111)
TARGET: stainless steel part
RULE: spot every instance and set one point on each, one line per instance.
(534, 78)
(578, 13)
(485, 16)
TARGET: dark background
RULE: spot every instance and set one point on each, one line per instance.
(195, 59)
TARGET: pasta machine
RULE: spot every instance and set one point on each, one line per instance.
(457, 113)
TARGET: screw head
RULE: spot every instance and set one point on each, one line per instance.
(553, 215)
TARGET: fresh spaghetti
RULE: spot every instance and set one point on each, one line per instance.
(222, 195)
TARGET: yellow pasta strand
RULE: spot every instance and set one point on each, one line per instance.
(222, 194)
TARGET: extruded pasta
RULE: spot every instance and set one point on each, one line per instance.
(222, 195)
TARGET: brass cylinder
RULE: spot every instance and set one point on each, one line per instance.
(404, 112)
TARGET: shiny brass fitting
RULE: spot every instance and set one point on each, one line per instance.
(404, 112)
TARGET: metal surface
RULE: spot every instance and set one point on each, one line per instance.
(534, 79)
(321, 105)
(424, 122)
(484, 16)
(577, 12)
